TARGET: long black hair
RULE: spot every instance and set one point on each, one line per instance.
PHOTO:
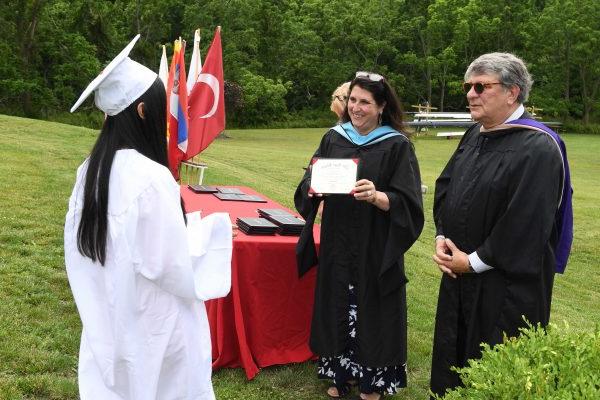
(382, 93)
(126, 130)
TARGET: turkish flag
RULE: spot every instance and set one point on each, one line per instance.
(207, 101)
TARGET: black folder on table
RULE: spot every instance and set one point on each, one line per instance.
(229, 190)
(203, 189)
(268, 212)
(226, 196)
(239, 197)
(256, 226)
(251, 198)
(287, 225)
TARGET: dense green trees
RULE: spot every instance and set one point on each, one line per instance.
(288, 55)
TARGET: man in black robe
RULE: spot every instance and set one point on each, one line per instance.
(495, 212)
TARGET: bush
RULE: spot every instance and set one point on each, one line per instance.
(555, 363)
(307, 118)
(576, 126)
(87, 116)
(263, 100)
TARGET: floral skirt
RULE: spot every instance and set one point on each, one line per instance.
(344, 368)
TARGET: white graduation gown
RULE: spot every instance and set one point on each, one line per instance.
(145, 330)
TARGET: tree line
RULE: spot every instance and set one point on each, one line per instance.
(285, 57)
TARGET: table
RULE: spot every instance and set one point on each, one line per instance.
(265, 319)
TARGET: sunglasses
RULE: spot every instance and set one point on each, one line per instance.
(370, 76)
(479, 86)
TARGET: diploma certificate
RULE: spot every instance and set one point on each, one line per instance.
(333, 175)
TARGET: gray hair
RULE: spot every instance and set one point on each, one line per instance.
(510, 69)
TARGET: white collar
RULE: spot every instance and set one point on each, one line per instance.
(516, 114)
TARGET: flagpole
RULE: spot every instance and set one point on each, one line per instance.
(195, 63)
(163, 70)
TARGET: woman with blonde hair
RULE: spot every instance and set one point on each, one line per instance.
(339, 98)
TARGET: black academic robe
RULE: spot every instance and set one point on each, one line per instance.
(497, 195)
(363, 245)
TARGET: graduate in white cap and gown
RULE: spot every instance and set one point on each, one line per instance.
(139, 273)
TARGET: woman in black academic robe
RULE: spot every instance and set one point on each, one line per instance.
(359, 317)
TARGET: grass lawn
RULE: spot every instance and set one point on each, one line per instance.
(39, 325)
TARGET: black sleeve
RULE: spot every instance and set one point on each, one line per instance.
(405, 213)
(406, 199)
(306, 253)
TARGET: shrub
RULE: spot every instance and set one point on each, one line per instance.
(576, 126)
(308, 118)
(555, 363)
(263, 100)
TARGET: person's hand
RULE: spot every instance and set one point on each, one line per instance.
(364, 190)
(450, 259)
(460, 260)
(442, 255)
(234, 230)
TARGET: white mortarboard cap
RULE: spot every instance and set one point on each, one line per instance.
(121, 83)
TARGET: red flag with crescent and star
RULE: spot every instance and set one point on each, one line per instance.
(207, 101)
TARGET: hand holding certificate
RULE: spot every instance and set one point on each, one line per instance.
(333, 175)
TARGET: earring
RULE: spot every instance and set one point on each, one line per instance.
(380, 118)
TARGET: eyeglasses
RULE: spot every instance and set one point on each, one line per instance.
(479, 86)
(370, 76)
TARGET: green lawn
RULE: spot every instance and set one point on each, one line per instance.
(39, 325)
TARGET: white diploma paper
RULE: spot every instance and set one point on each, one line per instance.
(333, 175)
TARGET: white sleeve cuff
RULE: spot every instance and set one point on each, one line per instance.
(476, 263)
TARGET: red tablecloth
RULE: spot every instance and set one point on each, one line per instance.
(265, 319)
